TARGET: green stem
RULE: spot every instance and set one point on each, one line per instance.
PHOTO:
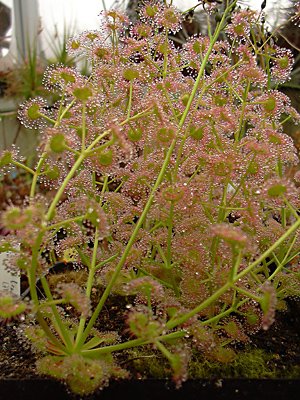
(217, 318)
(106, 261)
(170, 234)
(284, 261)
(90, 281)
(129, 344)
(292, 209)
(101, 148)
(166, 94)
(31, 273)
(169, 356)
(77, 153)
(93, 266)
(57, 321)
(163, 256)
(83, 128)
(53, 303)
(90, 148)
(166, 44)
(237, 263)
(60, 192)
(20, 165)
(36, 174)
(49, 334)
(239, 133)
(65, 222)
(166, 284)
(130, 99)
(61, 116)
(47, 118)
(248, 294)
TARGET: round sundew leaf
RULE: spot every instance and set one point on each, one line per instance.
(276, 190)
(222, 168)
(106, 157)
(283, 62)
(68, 78)
(163, 48)
(79, 132)
(270, 104)
(6, 159)
(142, 31)
(82, 94)
(197, 48)
(224, 354)
(93, 217)
(220, 101)
(185, 99)
(33, 111)
(57, 143)
(6, 246)
(101, 52)
(75, 45)
(196, 132)
(92, 36)
(135, 134)
(171, 16)
(67, 115)
(173, 194)
(22, 263)
(253, 168)
(14, 218)
(117, 102)
(251, 318)
(165, 135)
(130, 74)
(70, 255)
(231, 328)
(53, 173)
(151, 11)
(193, 65)
(9, 308)
(239, 29)
(274, 139)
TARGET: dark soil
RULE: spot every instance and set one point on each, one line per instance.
(282, 340)
(16, 357)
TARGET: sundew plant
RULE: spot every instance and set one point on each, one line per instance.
(161, 181)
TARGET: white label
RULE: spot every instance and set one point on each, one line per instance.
(9, 281)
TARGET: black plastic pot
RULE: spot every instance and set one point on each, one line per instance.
(218, 389)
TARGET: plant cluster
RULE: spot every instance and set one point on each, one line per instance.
(166, 186)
